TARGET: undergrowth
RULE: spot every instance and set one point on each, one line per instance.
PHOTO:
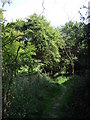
(31, 99)
(74, 104)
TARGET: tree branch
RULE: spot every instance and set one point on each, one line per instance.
(17, 53)
(42, 7)
(68, 55)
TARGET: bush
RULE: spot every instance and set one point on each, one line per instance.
(28, 100)
(75, 102)
(20, 97)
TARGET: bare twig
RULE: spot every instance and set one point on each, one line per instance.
(42, 7)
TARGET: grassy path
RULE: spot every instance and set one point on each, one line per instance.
(56, 103)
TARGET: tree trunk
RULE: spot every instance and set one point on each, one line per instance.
(69, 55)
(29, 77)
(16, 60)
(66, 71)
(72, 64)
(4, 96)
(0, 71)
(4, 102)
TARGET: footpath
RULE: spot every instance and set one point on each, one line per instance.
(56, 104)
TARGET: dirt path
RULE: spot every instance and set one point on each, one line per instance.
(56, 104)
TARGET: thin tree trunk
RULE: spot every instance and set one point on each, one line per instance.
(29, 74)
(16, 59)
(71, 60)
(66, 71)
(4, 95)
(72, 64)
(0, 73)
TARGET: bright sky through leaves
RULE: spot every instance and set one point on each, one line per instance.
(57, 12)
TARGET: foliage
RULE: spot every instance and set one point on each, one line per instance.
(29, 102)
(33, 53)
(73, 35)
(75, 102)
(61, 79)
(1, 15)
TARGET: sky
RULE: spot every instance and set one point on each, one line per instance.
(57, 12)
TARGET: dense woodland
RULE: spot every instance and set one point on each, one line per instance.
(37, 58)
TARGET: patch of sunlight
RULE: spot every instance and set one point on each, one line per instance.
(62, 79)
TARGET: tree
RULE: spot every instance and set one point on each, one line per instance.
(73, 35)
(1, 72)
(0, 65)
(45, 39)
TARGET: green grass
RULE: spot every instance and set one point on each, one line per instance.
(35, 101)
(54, 94)
(51, 97)
(74, 104)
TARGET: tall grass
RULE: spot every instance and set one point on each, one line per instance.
(75, 102)
(31, 101)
